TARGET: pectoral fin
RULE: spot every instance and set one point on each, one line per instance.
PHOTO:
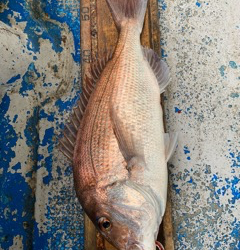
(170, 144)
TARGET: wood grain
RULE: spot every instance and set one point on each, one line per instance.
(99, 35)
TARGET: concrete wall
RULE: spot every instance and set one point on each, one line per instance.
(201, 44)
(40, 71)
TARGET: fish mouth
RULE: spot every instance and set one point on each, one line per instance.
(135, 247)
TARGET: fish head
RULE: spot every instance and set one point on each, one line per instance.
(127, 215)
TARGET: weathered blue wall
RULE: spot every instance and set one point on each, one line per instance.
(40, 72)
(201, 44)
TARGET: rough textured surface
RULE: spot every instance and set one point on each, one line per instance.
(201, 41)
(40, 57)
(39, 42)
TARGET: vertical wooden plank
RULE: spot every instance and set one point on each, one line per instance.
(145, 36)
(154, 26)
(85, 36)
(108, 34)
(108, 246)
(93, 30)
(90, 241)
(100, 242)
(167, 225)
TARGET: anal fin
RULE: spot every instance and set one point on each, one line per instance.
(170, 141)
(159, 67)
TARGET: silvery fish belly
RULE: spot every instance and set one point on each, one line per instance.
(116, 138)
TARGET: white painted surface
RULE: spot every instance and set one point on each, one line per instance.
(201, 43)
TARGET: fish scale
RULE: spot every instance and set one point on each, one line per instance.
(96, 137)
(137, 96)
(121, 152)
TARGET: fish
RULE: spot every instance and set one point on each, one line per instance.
(116, 140)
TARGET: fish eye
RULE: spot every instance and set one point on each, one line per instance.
(104, 224)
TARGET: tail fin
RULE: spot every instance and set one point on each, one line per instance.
(122, 10)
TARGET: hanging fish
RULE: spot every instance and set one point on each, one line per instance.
(116, 138)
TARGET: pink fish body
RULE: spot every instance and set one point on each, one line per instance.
(120, 151)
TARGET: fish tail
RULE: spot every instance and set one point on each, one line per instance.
(123, 10)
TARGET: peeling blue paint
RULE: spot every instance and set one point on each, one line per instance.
(28, 82)
(43, 20)
(198, 4)
(204, 174)
(66, 105)
(31, 132)
(191, 180)
(163, 4)
(12, 225)
(186, 150)
(14, 79)
(177, 110)
(235, 189)
(15, 118)
(236, 233)
(31, 14)
(176, 189)
(235, 158)
(17, 166)
(163, 53)
(222, 70)
(41, 240)
(227, 185)
(233, 65)
(235, 95)
(7, 134)
(43, 114)
(57, 12)
(39, 15)
(47, 139)
(48, 162)
(14, 190)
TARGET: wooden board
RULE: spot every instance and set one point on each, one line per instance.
(99, 35)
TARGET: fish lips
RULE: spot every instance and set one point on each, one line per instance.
(135, 247)
(140, 246)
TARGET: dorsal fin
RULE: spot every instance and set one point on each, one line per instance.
(67, 142)
(159, 67)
